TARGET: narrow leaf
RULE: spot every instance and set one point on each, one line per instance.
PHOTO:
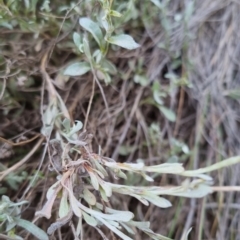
(106, 187)
(93, 28)
(158, 201)
(89, 197)
(200, 191)
(89, 219)
(139, 224)
(86, 49)
(109, 66)
(124, 216)
(174, 168)
(46, 211)
(33, 229)
(101, 168)
(153, 235)
(64, 205)
(94, 180)
(77, 69)
(115, 13)
(140, 198)
(76, 127)
(77, 39)
(124, 40)
(157, 3)
(114, 229)
(103, 195)
(74, 205)
(127, 228)
(168, 113)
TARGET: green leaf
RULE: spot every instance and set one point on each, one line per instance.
(157, 97)
(140, 224)
(199, 191)
(114, 229)
(97, 55)
(10, 225)
(86, 49)
(115, 13)
(107, 78)
(6, 25)
(107, 188)
(108, 66)
(102, 75)
(51, 195)
(74, 204)
(168, 113)
(148, 178)
(141, 79)
(66, 124)
(32, 228)
(139, 198)
(101, 168)
(157, 3)
(77, 39)
(89, 219)
(103, 194)
(94, 180)
(64, 205)
(216, 166)
(93, 28)
(76, 127)
(153, 235)
(127, 228)
(124, 40)
(233, 93)
(123, 216)
(121, 174)
(89, 197)
(173, 168)
(158, 201)
(77, 69)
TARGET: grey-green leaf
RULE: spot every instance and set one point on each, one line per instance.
(86, 49)
(109, 66)
(114, 229)
(77, 69)
(153, 235)
(124, 40)
(89, 219)
(77, 39)
(89, 197)
(93, 28)
(168, 113)
(94, 180)
(32, 228)
(158, 201)
(64, 205)
(76, 127)
(157, 3)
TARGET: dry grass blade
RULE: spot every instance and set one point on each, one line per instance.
(22, 161)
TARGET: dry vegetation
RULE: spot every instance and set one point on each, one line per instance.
(174, 99)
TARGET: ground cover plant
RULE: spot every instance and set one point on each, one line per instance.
(119, 119)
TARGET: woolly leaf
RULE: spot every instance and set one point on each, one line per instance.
(77, 69)
(124, 41)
